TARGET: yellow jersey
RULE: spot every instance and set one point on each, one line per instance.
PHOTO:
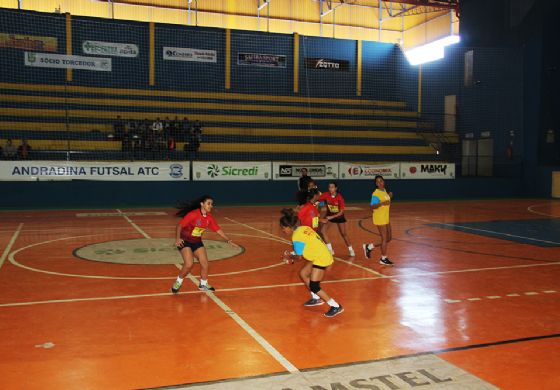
(380, 214)
(308, 243)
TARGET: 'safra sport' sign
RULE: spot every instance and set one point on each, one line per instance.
(223, 170)
(57, 171)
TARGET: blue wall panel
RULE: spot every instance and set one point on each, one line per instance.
(257, 79)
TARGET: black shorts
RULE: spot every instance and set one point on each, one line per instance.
(319, 266)
(340, 219)
(193, 245)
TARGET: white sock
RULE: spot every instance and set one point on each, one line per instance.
(293, 253)
(332, 303)
(384, 257)
(350, 248)
(203, 282)
(179, 280)
(329, 245)
(370, 246)
(315, 296)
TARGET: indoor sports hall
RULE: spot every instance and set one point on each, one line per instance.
(279, 194)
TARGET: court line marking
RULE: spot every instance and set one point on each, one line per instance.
(10, 244)
(142, 232)
(12, 260)
(235, 317)
(494, 232)
(290, 243)
(117, 297)
(494, 297)
(530, 209)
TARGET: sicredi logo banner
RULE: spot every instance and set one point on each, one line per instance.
(287, 170)
(427, 171)
(68, 170)
(327, 64)
(229, 171)
(110, 49)
(368, 172)
(189, 54)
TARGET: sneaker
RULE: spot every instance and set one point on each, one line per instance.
(314, 302)
(175, 288)
(352, 253)
(206, 288)
(367, 251)
(385, 261)
(334, 311)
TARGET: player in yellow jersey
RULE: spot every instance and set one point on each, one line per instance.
(380, 204)
(309, 245)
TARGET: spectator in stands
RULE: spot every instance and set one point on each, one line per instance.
(185, 129)
(118, 128)
(304, 180)
(175, 128)
(171, 147)
(9, 152)
(24, 150)
(157, 126)
(167, 126)
(126, 144)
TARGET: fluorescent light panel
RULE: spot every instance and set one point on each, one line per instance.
(431, 51)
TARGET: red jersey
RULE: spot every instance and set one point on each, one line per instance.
(194, 224)
(308, 215)
(335, 204)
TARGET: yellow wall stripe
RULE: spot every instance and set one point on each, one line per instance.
(240, 147)
(204, 106)
(33, 112)
(152, 65)
(69, 73)
(232, 131)
(296, 63)
(228, 58)
(359, 68)
(197, 95)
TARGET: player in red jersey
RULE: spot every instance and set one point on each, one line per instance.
(308, 214)
(334, 203)
(197, 218)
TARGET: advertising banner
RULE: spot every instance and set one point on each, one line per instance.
(44, 60)
(28, 42)
(106, 171)
(350, 171)
(327, 64)
(427, 170)
(316, 170)
(110, 49)
(238, 170)
(264, 60)
(187, 54)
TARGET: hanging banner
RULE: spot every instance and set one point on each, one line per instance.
(106, 171)
(263, 60)
(350, 171)
(327, 64)
(187, 54)
(238, 170)
(44, 60)
(29, 42)
(291, 171)
(427, 171)
(110, 49)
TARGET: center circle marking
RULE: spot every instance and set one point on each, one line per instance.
(149, 251)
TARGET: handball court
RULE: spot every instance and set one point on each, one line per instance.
(473, 302)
